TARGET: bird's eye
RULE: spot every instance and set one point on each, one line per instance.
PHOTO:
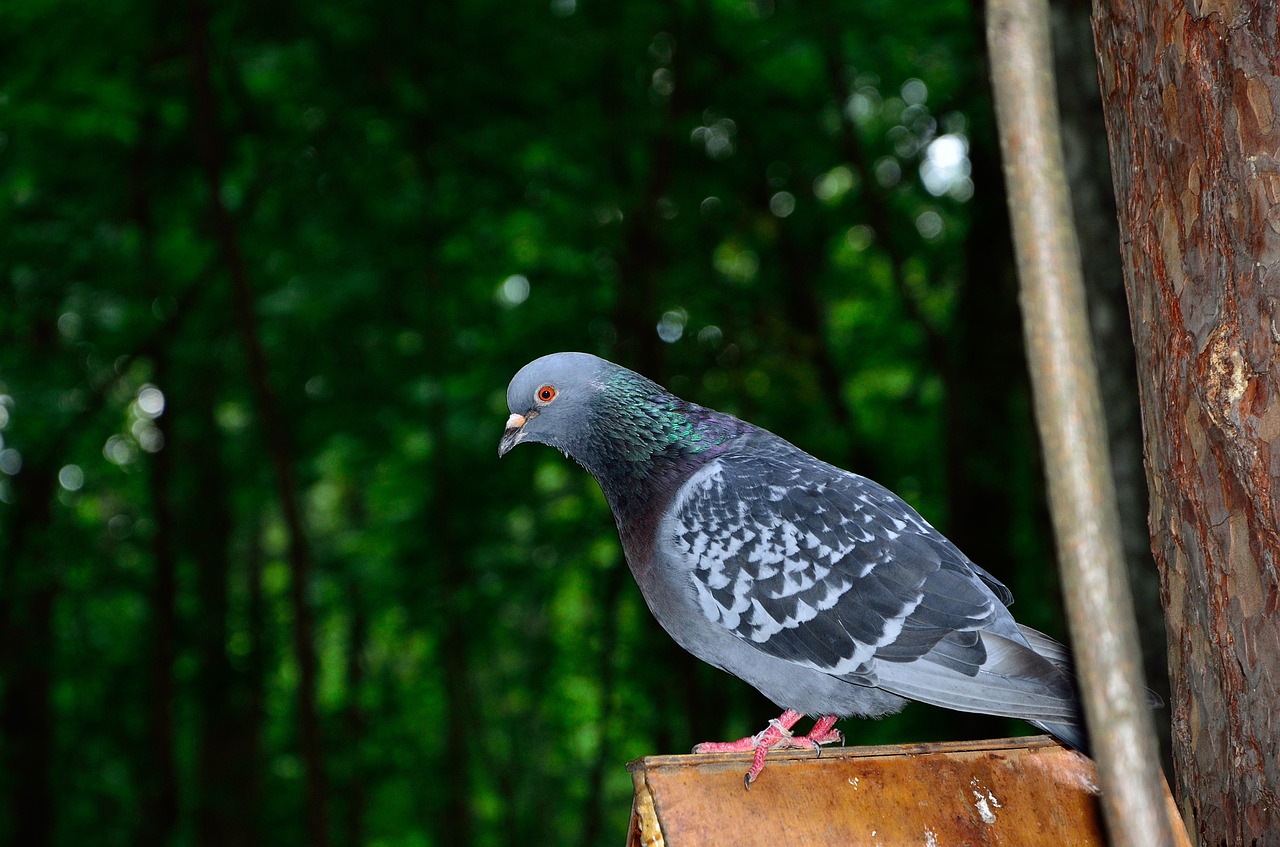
(546, 394)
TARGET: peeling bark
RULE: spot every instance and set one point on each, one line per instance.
(1192, 99)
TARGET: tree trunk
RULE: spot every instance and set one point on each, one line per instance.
(29, 589)
(160, 782)
(160, 792)
(1093, 204)
(206, 533)
(275, 430)
(1086, 519)
(1192, 101)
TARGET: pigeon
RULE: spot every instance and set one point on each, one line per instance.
(819, 587)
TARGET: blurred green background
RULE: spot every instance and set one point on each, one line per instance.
(265, 271)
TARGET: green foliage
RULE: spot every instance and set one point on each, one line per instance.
(746, 199)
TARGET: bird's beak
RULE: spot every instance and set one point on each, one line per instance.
(512, 435)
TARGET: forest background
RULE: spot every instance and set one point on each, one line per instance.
(265, 271)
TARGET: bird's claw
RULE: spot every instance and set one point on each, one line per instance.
(775, 724)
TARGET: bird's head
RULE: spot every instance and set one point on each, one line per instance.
(551, 400)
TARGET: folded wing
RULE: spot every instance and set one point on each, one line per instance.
(832, 571)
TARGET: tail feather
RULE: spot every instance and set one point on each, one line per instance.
(1049, 648)
(1073, 735)
(1013, 681)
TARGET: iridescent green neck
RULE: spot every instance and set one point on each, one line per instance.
(641, 422)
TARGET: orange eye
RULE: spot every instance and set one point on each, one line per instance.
(546, 394)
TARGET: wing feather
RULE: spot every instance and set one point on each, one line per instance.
(832, 571)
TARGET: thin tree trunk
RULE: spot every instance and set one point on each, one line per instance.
(1192, 100)
(26, 719)
(255, 681)
(206, 517)
(985, 380)
(160, 781)
(274, 427)
(1069, 416)
(160, 800)
(1084, 143)
(28, 589)
(457, 827)
(355, 719)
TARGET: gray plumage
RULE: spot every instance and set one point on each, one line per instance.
(820, 587)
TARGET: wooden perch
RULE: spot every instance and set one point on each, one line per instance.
(1012, 791)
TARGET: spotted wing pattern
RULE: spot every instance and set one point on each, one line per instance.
(830, 570)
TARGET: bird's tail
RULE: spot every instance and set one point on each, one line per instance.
(1072, 734)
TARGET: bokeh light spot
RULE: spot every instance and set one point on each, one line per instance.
(914, 92)
(671, 326)
(888, 172)
(782, 204)
(662, 48)
(929, 225)
(859, 237)
(69, 325)
(945, 169)
(151, 401)
(663, 82)
(71, 477)
(710, 335)
(10, 461)
(514, 290)
(119, 450)
(831, 186)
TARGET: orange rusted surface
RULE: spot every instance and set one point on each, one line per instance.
(1017, 791)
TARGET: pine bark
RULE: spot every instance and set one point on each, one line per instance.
(1192, 101)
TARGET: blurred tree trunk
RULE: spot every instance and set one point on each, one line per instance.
(160, 780)
(160, 796)
(987, 400)
(253, 682)
(354, 717)
(26, 651)
(275, 430)
(29, 587)
(984, 370)
(457, 617)
(228, 783)
(1192, 100)
(207, 525)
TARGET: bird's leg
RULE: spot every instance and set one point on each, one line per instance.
(823, 732)
(776, 735)
(778, 729)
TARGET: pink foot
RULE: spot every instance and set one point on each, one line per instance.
(776, 736)
(823, 732)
